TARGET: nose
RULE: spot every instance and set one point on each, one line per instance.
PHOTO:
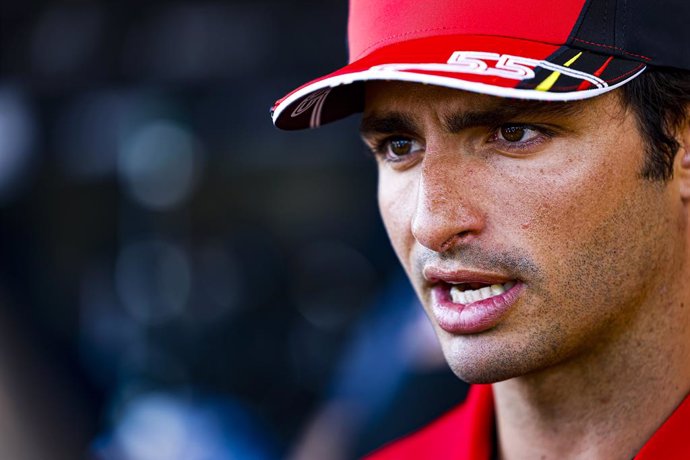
(448, 211)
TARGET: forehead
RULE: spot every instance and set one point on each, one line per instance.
(414, 100)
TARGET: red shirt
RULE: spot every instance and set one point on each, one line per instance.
(467, 433)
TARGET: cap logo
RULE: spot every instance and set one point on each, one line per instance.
(504, 65)
(314, 101)
(494, 64)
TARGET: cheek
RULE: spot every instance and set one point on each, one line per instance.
(590, 223)
(555, 204)
(397, 200)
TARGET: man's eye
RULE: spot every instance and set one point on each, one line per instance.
(517, 133)
(519, 137)
(400, 147)
(396, 148)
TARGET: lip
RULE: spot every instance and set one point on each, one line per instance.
(435, 275)
(473, 317)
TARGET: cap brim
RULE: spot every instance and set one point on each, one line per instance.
(496, 66)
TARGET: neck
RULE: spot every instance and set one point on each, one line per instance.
(603, 403)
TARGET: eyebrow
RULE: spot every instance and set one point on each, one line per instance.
(389, 123)
(507, 110)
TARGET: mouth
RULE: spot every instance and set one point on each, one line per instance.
(467, 293)
(469, 303)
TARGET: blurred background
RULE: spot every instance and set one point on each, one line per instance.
(179, 279)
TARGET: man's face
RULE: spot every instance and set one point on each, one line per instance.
(525, 228)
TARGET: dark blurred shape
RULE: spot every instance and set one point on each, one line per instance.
(66, 38)
(44, 409)
(88, 133)
(173, 426)
(222, 290)
(17, 141)
(153, 280)
(199, 40)
(159, 164)
(391, 380)
(189, 270)
(330, 283)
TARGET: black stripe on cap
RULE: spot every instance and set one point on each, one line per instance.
(646, 31)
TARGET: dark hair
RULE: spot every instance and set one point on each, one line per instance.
(660, 99)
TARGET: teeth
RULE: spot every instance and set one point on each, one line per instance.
(470, 296)
(458, 296)
(497, 289)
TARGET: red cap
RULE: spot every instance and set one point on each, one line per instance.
(528, 49)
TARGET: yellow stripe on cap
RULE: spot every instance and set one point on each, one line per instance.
(549, 81)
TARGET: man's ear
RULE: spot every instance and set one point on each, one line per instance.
(683, 160)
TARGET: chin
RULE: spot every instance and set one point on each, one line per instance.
(481, 374)
(482, 360)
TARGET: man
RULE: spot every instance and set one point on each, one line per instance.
(534, 165)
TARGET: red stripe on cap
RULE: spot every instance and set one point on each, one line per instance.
(438, 49)
(585, 84)
(376, 23)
